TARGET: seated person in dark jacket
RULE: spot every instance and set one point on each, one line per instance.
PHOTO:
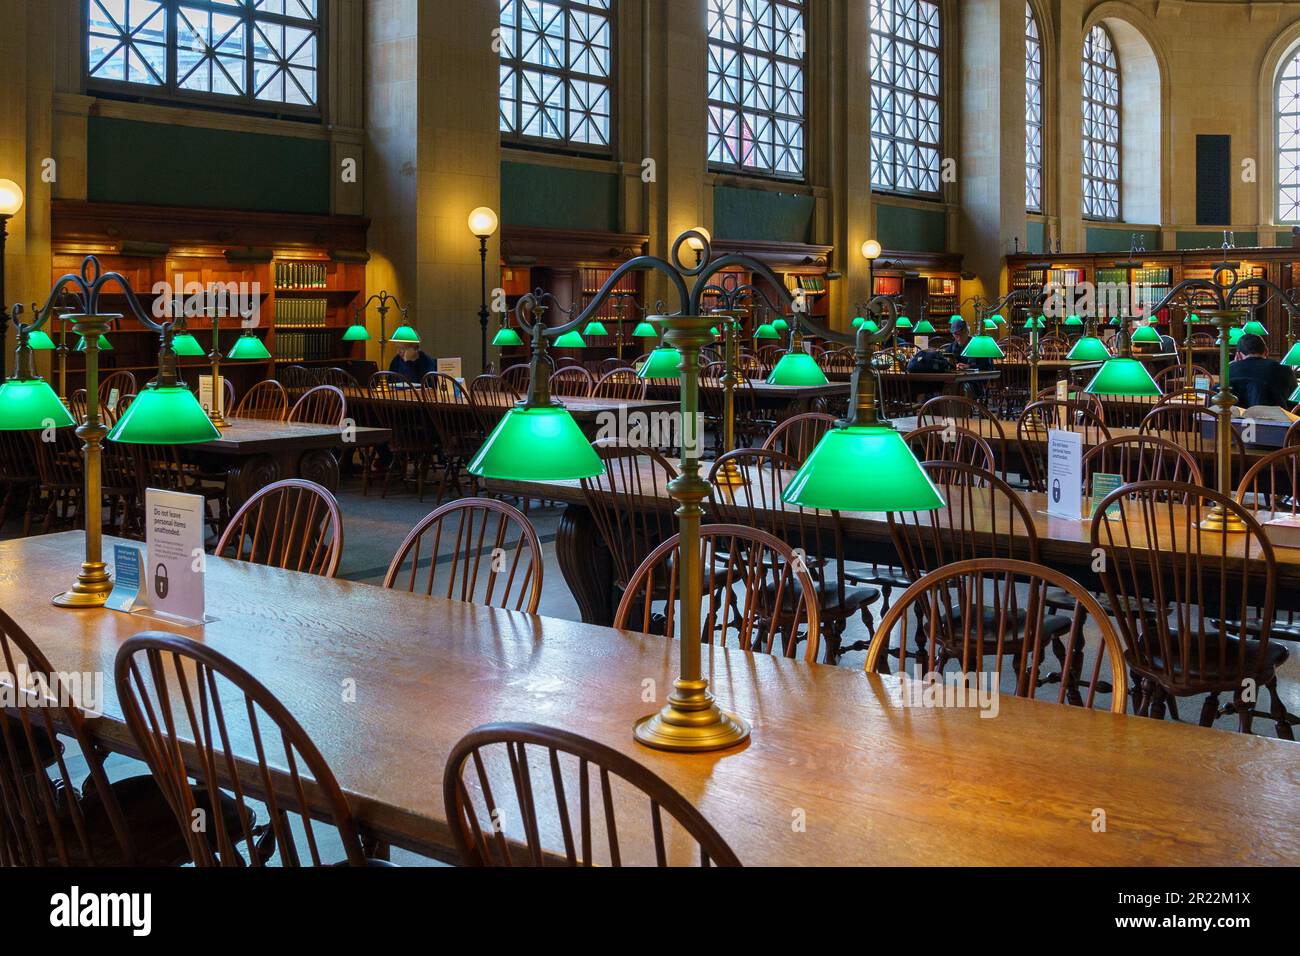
(411, 363)
(1257, 379)
(961, 339)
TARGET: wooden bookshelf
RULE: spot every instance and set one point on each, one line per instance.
(930, 284)
(1165, 269)
(155, 248)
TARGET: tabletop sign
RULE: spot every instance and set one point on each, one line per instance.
(1202, 383)
(113, 399)
(128, 578)
(450, 366)
(1102, 485)
(1062, 389)
(922, 342)
(174, 541)
(208, 395)
(1065, 474)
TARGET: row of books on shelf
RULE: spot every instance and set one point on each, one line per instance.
(805, 283)
(301, 313)
(301, 275)
(309, 346)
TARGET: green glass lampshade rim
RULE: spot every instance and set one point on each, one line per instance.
(1038, 323)
(404, 333)
(645, 330)
(1146, 334)
(1295, 396)
(1073, 321)
(104, 344)
(356, 333)
(186, 345)
(982, 346)
(766, 331)
(663, 362)
(863, 468)
(781, 325)
(29, 404)
(248, 346)
(1254, 327)
(595, 328)
(38, 340)
(506, 336)
(164, 415)
(924, 328)
(1123, 376)
(903, 322)
(1088, 349)
(570, 340)
(997, 319)
(537, 444)
(1292, 357)
(797, 368)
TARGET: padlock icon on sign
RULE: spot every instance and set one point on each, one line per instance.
(160, 581)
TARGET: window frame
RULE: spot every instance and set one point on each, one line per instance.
(1086, 99)
(739, 169)
(939, 98)
(171, 94)
(517, 140)
(1292, 57)
(1034, 37)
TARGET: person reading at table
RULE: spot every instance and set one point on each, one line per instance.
(411, 363)
(1256, 379)
(961, 339)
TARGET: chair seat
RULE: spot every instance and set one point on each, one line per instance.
(1061, 598)
(47, 748)
(155, 833)
(1277, 655)
(856, 597)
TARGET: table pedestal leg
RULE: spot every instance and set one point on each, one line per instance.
(586, 565)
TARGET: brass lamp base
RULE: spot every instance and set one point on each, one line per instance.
(91, 590)
(218, 419)
(1219, 522)
(729, 474)
(691, 722)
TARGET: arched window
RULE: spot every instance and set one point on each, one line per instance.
(1101, 126)
(556, 64)
(1033, 112)
(1288, 140)
(905, 96)
(262, 56)
(756, 87)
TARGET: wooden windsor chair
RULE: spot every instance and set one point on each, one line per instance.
(620, 384)
(402, 410)
(292, 524)
(266, 401)
(321, 405)
(1046, 415)
(798, 435)
(573, 381)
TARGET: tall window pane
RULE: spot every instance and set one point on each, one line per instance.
(258, 53)
(1101, 127)
(1288, 141)
(556, 64)
(1033, 113)
(756, 86)
(905, 97)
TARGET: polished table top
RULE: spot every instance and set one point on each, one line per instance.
(248, 436)
(876, 782)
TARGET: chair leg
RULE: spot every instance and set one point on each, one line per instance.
(1209, 710)
(1283, 720)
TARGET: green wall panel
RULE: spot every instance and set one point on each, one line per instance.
(1192, 239)
(1118, 240)
(1037, 237)
(558, 198)
(911, 230)
(153, 163)
(760, 214)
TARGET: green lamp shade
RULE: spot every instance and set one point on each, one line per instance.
(1234, 336)
(1254, 327)
(1293, 357)
(862, 468)
(1193, 317)
(781, 325)
(537, 444)
(595, 328)
(355, 333)
(797, 368)
(766, 331)
(1295, 396)
(982, 346)
(1073, 321)
(1117, 321)
(713, 331)
(506, 336)
(990, 325)
(903, 322)
(1146, 334)
(104, 344)
(30, 404)
(39, 341)
(870, 325)
(164, 415)
(1123, 376)
(663, 362)
(1089, 349)
(570, 340)
(644, 330)
(998, 320)
(924, 327)
(1038, 323)
(859, 322)
(404, 333)
(187, 345)
(248, 346)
